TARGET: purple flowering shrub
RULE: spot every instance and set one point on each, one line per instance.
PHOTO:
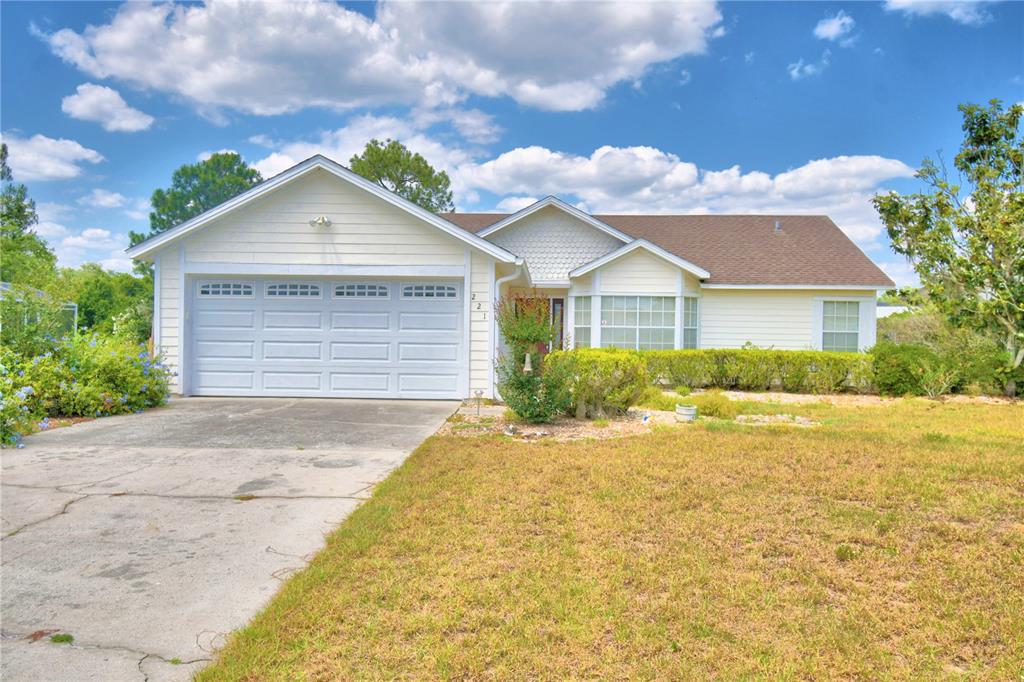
(88, 376)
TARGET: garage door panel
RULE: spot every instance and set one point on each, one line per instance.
(377, 382)
(448, 322)
(225, 350)
(292, 381)
(344, 351)
(292, 320)
(292, 350)
(224, 319)
(328, 346)
(441, 352)
(428, 383)
(358, 321)
(233, 380)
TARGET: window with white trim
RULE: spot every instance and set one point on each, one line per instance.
(361, 290)
(429, 291)
(226, 289)
(581, 322)
(691, 335)
(293, 290)
(840, 325)
(638, 322)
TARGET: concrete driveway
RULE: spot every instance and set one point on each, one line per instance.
(150, 537)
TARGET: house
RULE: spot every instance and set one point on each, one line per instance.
(318, 282)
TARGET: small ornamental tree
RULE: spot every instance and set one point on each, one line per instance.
(535, 394)
(965, 236)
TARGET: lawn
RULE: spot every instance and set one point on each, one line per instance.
(888, 542)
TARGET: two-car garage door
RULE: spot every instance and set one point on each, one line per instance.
(334, 338)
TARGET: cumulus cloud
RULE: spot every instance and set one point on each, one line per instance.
(244, 56)
(836, 29)
(514, 204)
(204, 156)
(968, 13)
(44, 158)
(101, 198)
(685, 77)
(802, 69)
(649, 180)
(637, 179)
(103, 105)
(138, 209)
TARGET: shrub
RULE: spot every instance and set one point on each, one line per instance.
(602, 382)
(756, 369)
(713, 404)
(911, 369)
(15, 414)
(535, 396)
(655, 399)
(91, 376)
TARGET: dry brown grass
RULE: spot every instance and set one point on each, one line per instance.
(887, 543)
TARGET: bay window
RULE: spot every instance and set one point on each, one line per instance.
(638, 322)
(840, 326)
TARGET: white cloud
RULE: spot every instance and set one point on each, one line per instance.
(836, 29)
(649, 180)
(685, 77)
(139, 209)
(748, 58)
(101, 198)
(245, 56)
(105, 106)
(513, 204)
(45, 158)
(341, 144)
(968, 13)
(91, 238)
(801, 69)
(901, 272)
(472, 124)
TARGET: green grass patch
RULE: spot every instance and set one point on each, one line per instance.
(886, 543)
(62, 638)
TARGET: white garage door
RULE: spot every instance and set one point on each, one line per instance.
(333, 338)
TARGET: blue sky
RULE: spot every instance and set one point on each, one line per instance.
(695, 107)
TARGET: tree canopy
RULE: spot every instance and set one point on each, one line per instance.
(965, 236)
(26, 259)
(392, 166)
(196, 187)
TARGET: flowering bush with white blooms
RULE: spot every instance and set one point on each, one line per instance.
(84, 376)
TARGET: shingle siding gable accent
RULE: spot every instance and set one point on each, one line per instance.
(554, 243)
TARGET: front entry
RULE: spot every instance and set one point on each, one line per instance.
(558, 319)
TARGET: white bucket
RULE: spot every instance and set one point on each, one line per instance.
(686, 413)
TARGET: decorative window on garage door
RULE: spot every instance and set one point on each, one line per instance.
(429, 291)
(293, 290)
(361, 290)
(226, 289)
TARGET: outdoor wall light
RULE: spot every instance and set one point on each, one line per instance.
(321, 221)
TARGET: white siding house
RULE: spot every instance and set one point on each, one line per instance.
(319, 283)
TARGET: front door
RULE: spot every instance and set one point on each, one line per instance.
(558, 318)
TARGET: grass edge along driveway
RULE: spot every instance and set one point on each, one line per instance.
(887, 542)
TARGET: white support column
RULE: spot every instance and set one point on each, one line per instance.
(157, 285)
(492, 341)
(595, 309)
(680, 288)
(467, 323)
(184, 305)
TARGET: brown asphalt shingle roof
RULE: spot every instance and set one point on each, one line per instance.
(743, 249)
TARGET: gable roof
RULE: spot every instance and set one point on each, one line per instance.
(696, 271)
(318, 161)
(744, 250)
(505, 221)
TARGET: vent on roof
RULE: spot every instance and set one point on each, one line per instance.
(778, 227)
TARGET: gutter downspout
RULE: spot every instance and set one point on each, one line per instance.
(519, 262)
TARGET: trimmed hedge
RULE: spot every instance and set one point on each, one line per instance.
(602, 381)
(793, 371)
